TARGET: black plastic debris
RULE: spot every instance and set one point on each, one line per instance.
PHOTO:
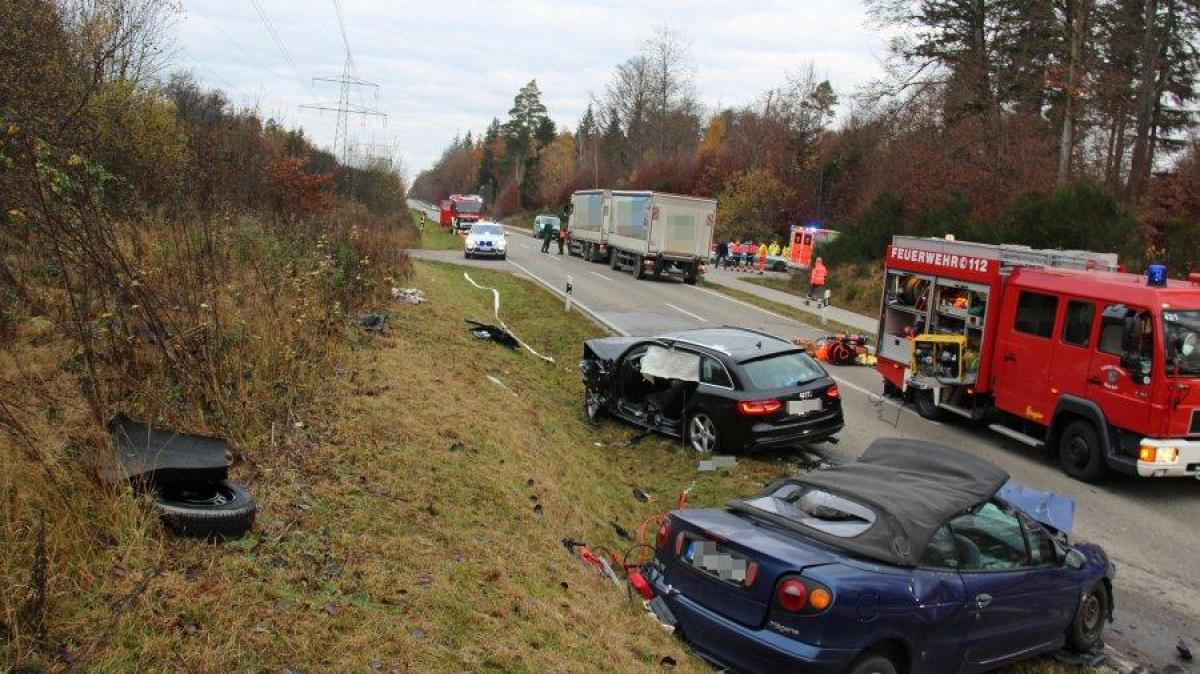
(162, 457)
(188, 475)
(493, 332)
(373, 322)
(668, 662)
(1182, 648)
(620, 531)
(642, 496)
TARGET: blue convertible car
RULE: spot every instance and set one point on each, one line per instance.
(916, 558)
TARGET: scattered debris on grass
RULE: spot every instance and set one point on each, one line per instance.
(373, 322)
(1183, 649)
(642, 496)
(717, 462)
(493, 332)
(501, 384)
(496, 313)
(411, 295)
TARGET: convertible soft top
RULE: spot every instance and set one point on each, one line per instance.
(914, 488)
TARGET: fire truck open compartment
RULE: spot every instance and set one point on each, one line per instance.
(1055, 349)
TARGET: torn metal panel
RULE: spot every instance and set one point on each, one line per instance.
(1054, 510)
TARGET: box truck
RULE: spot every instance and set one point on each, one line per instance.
(654, 233)
(587, 228)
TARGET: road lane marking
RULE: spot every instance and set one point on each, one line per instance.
(594, 273)
(752, 306)
(685, 311)
(583, 307)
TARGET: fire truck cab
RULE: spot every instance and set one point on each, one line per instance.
(1054, 349)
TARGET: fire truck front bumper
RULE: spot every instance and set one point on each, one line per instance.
(1168, 458)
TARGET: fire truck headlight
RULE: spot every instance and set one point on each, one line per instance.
(1152, 454)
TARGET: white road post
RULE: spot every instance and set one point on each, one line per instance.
(825, 306)
(567, 295)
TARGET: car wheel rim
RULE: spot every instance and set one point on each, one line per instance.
(703, 434)
(218, 496)
(1090, 614)
(1077, 452)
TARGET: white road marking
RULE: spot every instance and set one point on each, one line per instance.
(685, 311)
(593, 273)
(583, 307)
(752, 306)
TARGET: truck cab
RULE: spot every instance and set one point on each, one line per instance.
(1054, 349)
(1109, 364)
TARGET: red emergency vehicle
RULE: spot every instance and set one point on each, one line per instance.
(802, 239)
(1055, 349)
(461, 211)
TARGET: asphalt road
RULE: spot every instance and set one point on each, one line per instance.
(1147, 526)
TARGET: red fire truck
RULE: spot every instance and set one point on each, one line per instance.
(1055, 349)
(461, 211)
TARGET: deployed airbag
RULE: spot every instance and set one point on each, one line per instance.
(668, 364)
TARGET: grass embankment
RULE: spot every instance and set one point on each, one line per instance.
(433, 237)
(854, 287)
(804, 317)
(411, 522)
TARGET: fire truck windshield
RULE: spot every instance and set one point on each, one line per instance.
(468, 206)
(1182, 332)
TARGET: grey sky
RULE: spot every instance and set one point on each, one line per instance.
(446, 68)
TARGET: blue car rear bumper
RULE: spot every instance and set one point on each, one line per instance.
(732, 645)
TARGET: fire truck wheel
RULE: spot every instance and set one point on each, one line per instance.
(1080, 453)
(923, 400)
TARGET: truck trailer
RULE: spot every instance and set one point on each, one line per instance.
(654, 233)
(587, 229)
(1054, 349)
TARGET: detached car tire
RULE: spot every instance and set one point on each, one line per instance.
(1088, 625)
(221, 510)
(872, 663)
(1080, 453)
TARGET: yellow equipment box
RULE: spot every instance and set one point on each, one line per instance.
(938, 356)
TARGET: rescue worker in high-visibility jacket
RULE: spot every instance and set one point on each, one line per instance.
(816, 280)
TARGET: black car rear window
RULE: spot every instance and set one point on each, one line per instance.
(782, 371)
(818, 509)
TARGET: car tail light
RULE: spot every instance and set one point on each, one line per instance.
(833, 392)
(801, 595)
(758, 408)
(792, 595)
(751, 574)
(664, 534)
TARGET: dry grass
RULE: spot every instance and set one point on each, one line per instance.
(411, 525)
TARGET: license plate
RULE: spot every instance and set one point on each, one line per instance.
(802, 407)
(712, 558)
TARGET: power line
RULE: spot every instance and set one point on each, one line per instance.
(287, 57)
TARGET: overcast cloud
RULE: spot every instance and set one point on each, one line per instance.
(447, 68)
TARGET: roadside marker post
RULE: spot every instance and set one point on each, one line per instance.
(567, 294)
(825, 306)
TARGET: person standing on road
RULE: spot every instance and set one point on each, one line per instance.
(547, 232)
(816, 280)
(762, 258)
(722, 252)
(562, 237)
(735, 254)
(751, 253)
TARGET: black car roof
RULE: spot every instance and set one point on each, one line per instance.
(914, 487)
(739, 344)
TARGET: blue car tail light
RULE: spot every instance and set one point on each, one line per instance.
(796, 594)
